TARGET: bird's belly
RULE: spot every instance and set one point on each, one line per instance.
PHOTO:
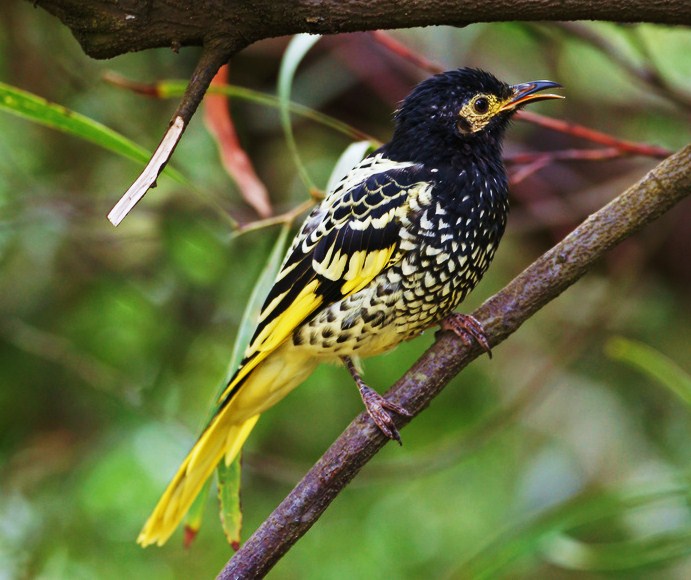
(430, 291)
(363, 324)
(393, 308)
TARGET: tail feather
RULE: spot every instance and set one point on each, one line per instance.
(225, 435)
(198, 466)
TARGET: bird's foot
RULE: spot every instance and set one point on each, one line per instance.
(377, 406)
(468, 329)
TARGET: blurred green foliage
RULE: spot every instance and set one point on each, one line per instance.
(551, 460)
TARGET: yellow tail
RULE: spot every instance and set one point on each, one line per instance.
(263, 386)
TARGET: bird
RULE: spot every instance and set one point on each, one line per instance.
(391, 251)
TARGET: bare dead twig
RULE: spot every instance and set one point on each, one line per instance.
(528, 169)
(213, 57)
(284, 218)
(501, 315)
(535, 161)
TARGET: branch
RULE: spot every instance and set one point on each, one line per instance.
(105, 28)
(588, 134)
(214, 56)
(501, 315)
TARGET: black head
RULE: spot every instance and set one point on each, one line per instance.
(448, 112)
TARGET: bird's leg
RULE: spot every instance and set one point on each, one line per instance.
(375, 404)
(468, 329)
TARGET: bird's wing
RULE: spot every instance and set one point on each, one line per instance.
(343, 245)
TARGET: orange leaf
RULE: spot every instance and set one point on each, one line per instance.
(237, 163)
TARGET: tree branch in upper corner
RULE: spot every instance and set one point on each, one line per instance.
(501, 315)
(105, 28)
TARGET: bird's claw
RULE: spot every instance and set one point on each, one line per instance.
(377, 406)
(468, 329)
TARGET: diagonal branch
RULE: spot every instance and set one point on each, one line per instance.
(214, 56)
(501, 315)
(583, 132)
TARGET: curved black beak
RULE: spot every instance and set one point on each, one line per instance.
(526, 92)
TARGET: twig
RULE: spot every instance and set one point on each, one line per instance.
(583, 132)
(565, 155)
(527, 170)
(154, 90)
(284, 218)
(212, 58)
(501, 315)
(147, 178)
(534, 161)
(168, 89)
(398, 48)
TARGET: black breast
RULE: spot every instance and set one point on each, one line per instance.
(453, 240)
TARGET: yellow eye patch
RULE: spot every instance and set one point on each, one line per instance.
(477, 112)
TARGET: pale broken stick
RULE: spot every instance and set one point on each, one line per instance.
(216, 54)
(147, 179)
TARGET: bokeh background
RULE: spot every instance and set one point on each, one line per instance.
(555, 459)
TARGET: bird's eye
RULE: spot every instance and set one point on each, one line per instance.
(481, 105)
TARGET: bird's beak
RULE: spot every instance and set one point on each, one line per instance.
(526, 92)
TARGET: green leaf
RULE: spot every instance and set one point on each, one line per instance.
(567, 552)
(652, 363)
(229, 475)
(229, 499)
(39, 110)
(195, 515)
(174, 88)
(528, 538)
(255, 303)
(297, 49)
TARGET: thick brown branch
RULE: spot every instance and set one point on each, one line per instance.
(107, 28)
(501, 315)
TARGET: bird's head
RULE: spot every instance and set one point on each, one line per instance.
(463, 106)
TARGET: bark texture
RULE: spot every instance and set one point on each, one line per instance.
(107, 28)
